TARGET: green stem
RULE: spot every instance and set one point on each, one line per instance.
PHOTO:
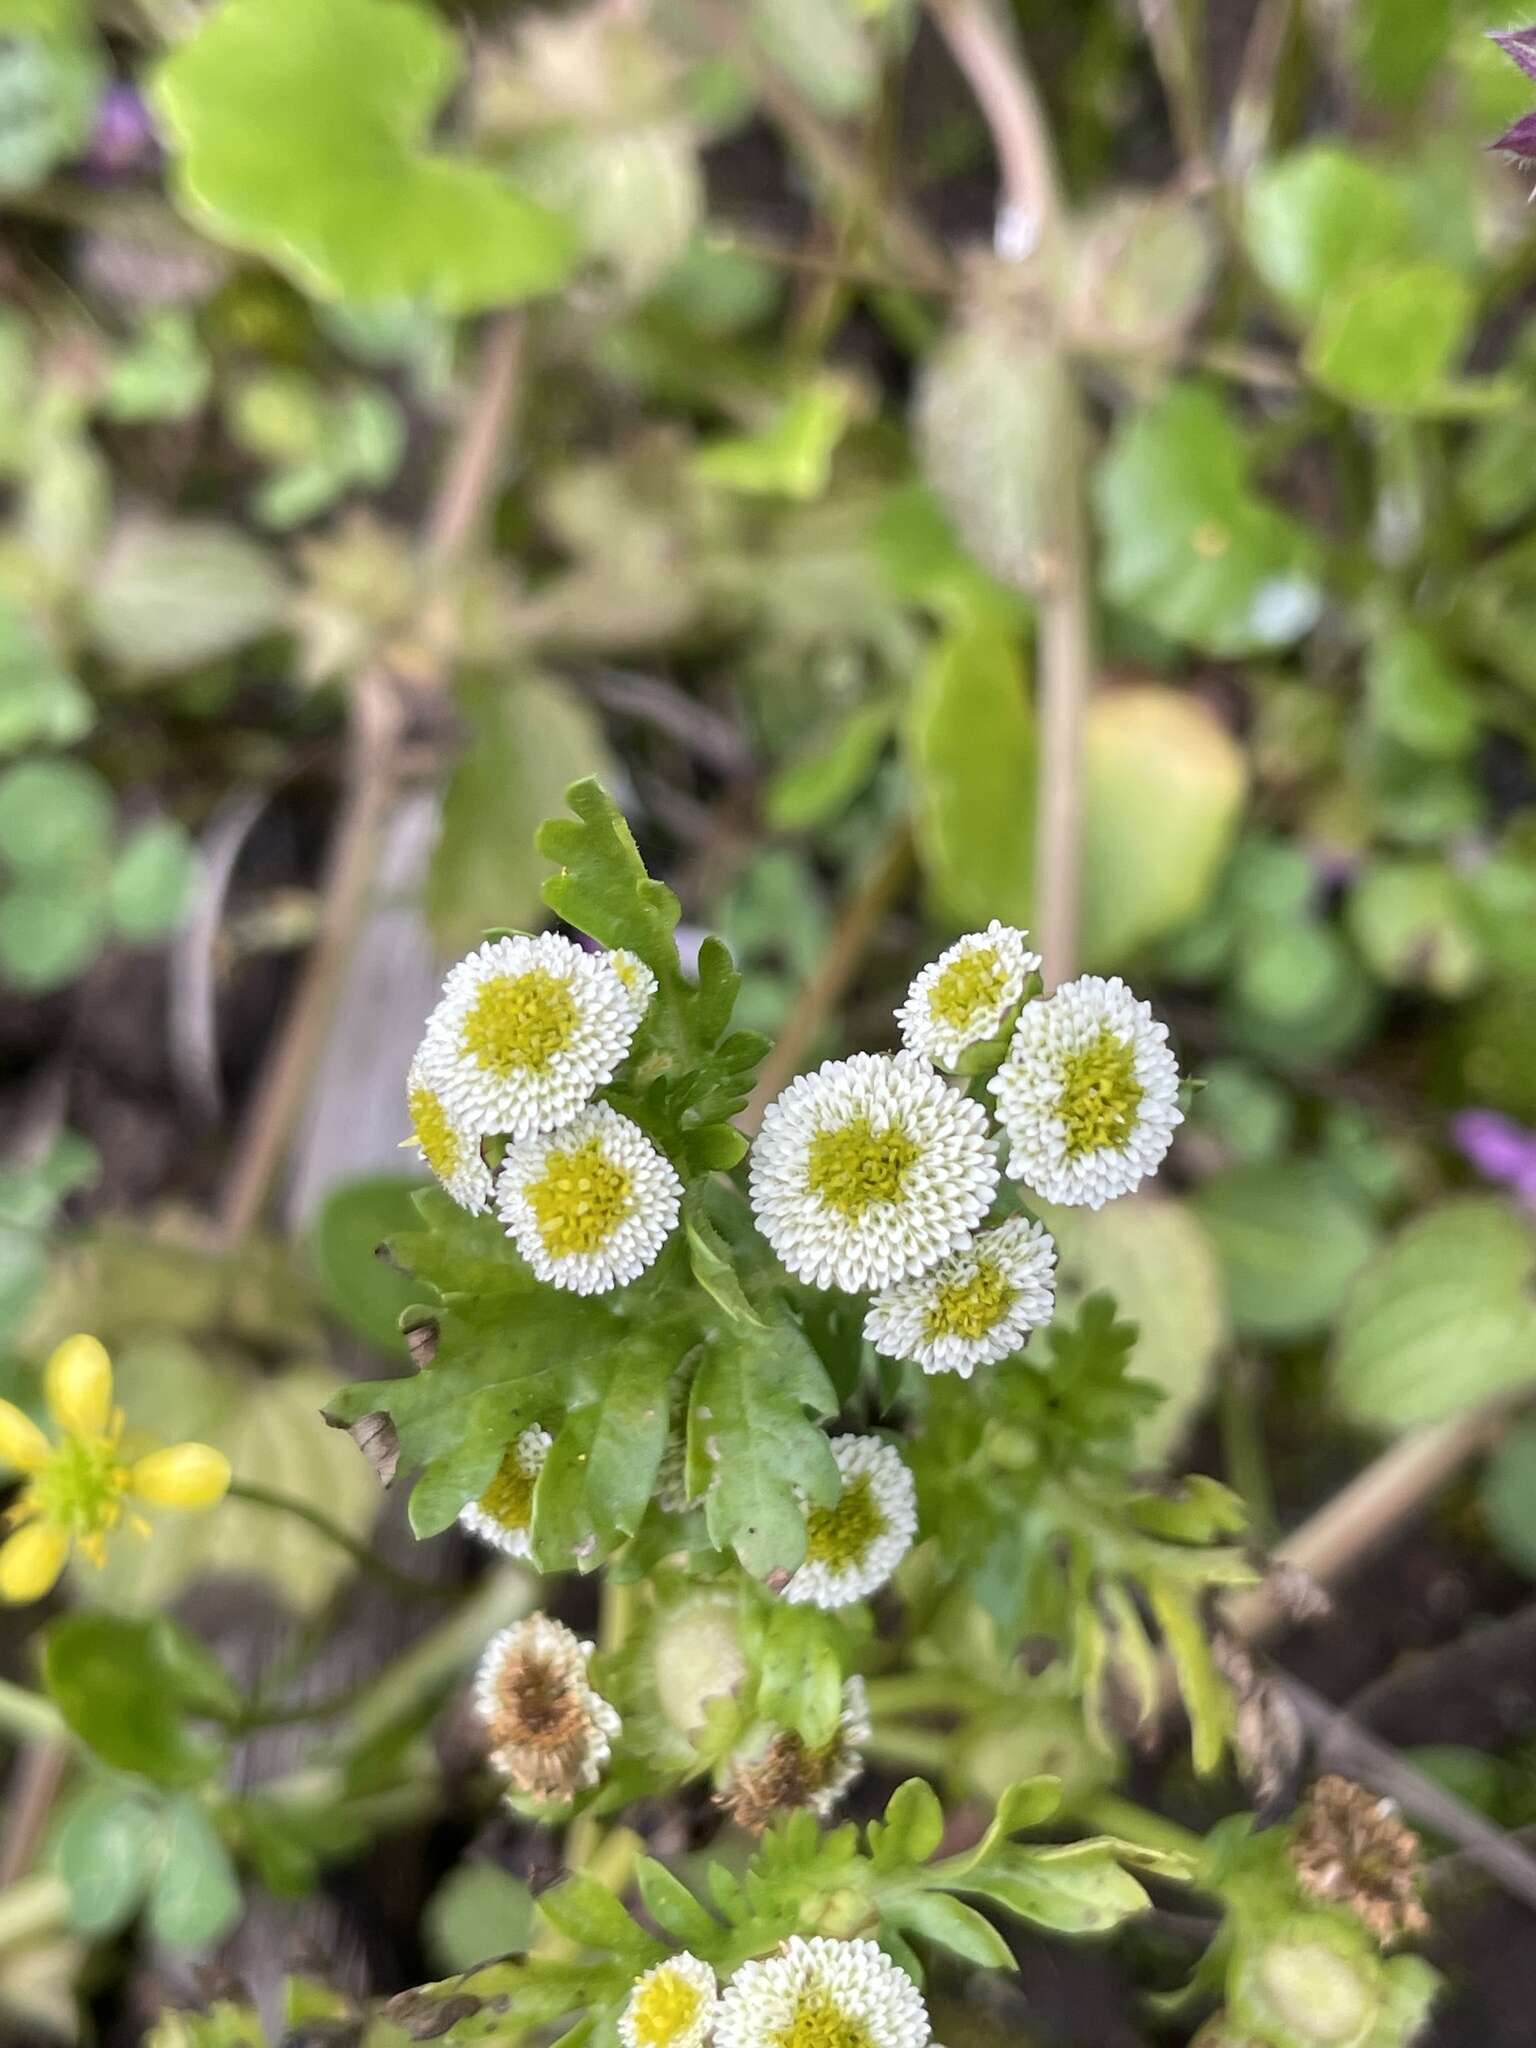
(917, 1692)
(28, 1715)
(1111, 1814)
(1242, 1446)
(919, 1749)
(288, 1504)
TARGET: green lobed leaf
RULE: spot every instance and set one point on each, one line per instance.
(710, 1257)
(587, 1913)
(673, 1907)
(951, 1924)
(602, 887)
(297, 132)
(800, 1674)
(912, 1828)
(1077, 1889)
(792, 456)
(751, 1442)
(352, 1224)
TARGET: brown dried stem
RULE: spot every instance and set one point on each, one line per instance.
(377, 719)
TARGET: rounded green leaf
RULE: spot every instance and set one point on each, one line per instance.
(53, 814)
(1165, 787)
(50, 932)
(1417, 696)
(1415, 924)
(1318, 218)
(49, 80)
(362, 1288)
(195, 1896)
(297, 131)
(151, 885)
(1290, 1239)
(478, 1910)
(40, 701)
(1441, 1319)
(172, 594)
(118, 1684)
(1189, 546)
(104, 1851)
(1389, 340)
(1508, 1497)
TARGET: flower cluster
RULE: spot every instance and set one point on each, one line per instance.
(815, 1993)
(526, 1032)
(875, 1174)
(81, 1487)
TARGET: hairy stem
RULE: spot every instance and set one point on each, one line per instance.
(1031, 227)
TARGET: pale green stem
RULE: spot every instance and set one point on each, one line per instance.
(28, 1715)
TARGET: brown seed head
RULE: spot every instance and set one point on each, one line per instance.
(1350, 1847)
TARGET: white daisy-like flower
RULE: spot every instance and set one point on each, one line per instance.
(590, 1205)
(974, 1308)
(526, 1030)
(853, 1546)
(869, 1170)
(671, 2006)
(1088, 1093)
(963, 998)
(638, 980)
(449, 1148)
(500, 1517)
(822, 1994)
(547, 1731)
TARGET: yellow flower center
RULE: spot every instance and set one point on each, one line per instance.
(627, 968)
(509, 1497)
(1100, 1095)
(970, 1308)
(79, 1491)
(435, 1136)
(855, 1166)
(967, 987)
(518, 1022)
(664, 2008)
(581, 1200)
(841, 1536)
(819, 2023)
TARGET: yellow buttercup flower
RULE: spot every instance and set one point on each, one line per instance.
(81, 1484)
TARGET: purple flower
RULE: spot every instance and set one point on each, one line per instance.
(123, 139)
(1500, 1149)
(1519, 139)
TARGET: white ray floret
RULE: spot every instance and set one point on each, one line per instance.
(975, 1307)
(526, 1030)
(500, 1517)
(853, 1546)
(638, 980)
(450, 1149)
(1088, 1093)
(842, 1764)
(822, 1991)
(590, 1205)
(671, 2006)
(547, 1731)
(964, 997)
(869, 1170)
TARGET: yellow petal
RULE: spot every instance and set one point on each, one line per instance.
(30, 1562)
(22, 1443)
(182, 1476)
(77, 1385)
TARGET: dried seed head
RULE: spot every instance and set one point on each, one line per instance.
(548, 1732)
(1350, 1847)
(777, 1772)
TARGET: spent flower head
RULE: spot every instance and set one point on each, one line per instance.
(526, 1031)
(973, 1308)
(1352, 1848)
(965, 996)
(776, 1771)
(80, 1486)
(502, 1514)
(870, 1170)
(548, 1733)
(853, 1546)
(590, 1205)
(1088, 1093)
(822, 1994)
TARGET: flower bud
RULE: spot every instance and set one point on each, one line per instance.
(698, 1659)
